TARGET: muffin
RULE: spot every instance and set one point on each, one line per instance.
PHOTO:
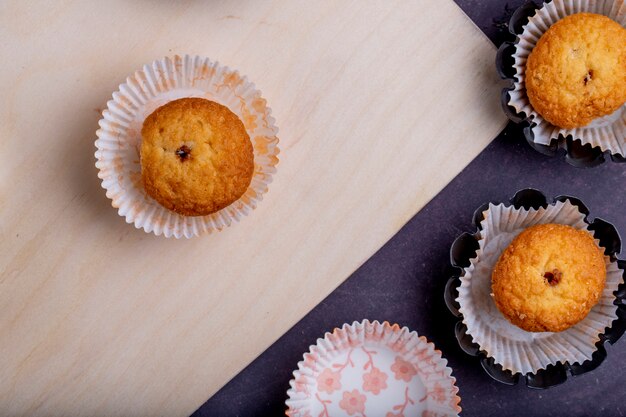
(548, 278)
(577, 71)
(196, 156)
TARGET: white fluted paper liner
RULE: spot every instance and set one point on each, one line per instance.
(513, 348)
(609, 132)
(372, 369)
(119, 140)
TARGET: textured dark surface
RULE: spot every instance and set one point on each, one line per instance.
(404, 281)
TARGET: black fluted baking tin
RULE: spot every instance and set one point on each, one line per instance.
(576, 153)
(464, 249)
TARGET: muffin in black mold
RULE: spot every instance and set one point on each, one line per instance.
(604, 138)
(507, 353)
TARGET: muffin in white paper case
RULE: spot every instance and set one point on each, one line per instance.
(119, 140)
(606, 134)
(372, 369)
(506, 345)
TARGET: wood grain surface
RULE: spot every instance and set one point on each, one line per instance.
(379, 105)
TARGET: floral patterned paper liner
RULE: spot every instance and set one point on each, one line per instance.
(584, 146)
(119, 140)
(372, 369)
(467, 249)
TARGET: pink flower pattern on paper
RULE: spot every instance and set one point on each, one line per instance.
(340, 366)
(438, 393)
(297, 412)
(329, 381)
(374, 381)
(360, 377)
(403, 369)
(423, 355)
(399, 346)
(429, 413)
(324, 403)
(311, 360)
(353, 402)
(401, 407)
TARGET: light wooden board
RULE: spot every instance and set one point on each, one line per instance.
(379, 105)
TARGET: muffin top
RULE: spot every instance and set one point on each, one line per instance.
(196, 156)
(577, 70)
(549, 278)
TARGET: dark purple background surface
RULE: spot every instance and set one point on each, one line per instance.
(403, 283)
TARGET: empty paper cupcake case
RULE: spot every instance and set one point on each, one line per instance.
(374, 369)
(583, 147)
(506, 352)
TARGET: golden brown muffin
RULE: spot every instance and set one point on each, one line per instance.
(549, 278)
(196, 157)
(577, 70)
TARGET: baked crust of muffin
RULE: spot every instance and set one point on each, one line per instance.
(577, 71)
(549, 278)
(196, 156)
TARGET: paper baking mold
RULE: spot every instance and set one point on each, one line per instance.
(119, 140)
(507, 353)
(602, 139)
(372, 369)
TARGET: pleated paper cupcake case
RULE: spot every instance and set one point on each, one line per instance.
(119, 140)
(465, 248)
(580, 149)
(374, 369)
